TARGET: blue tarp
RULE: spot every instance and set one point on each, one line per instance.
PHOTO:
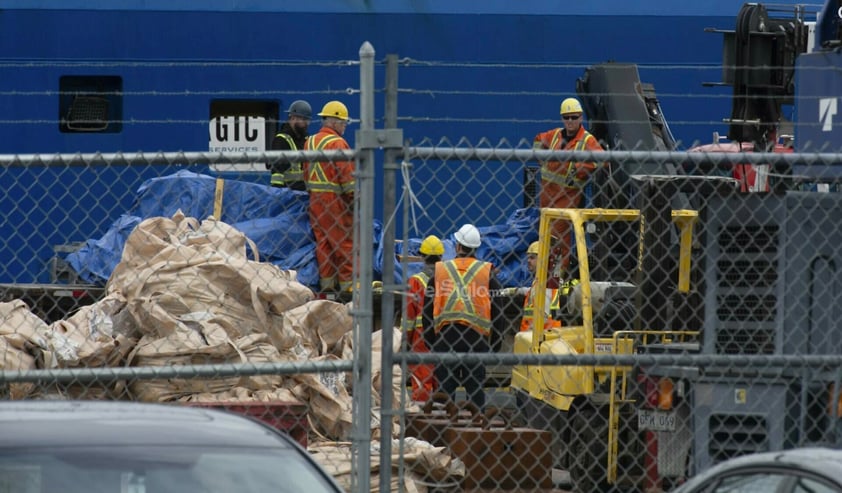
(276, 220)
(503, 245)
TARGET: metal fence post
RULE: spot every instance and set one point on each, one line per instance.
(389, 287)
(364, 199)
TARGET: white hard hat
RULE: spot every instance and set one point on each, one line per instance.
(468, 235)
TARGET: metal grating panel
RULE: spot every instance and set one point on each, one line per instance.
(88, 114)
(746, 300)
(735, 435)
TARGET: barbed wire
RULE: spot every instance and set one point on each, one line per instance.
(172, 63)
(407, 62)
(543, 65)
(549, 121)
(189, 92)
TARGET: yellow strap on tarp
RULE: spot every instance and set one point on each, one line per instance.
(217, 198)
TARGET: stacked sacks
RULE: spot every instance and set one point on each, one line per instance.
(186, 293)
(195, 298)
(20, 330)
(84, 340)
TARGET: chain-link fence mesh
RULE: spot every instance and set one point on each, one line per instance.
(683, 323)
(689, 299)
(723, 300)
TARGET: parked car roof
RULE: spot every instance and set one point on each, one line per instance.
(79, 447)
(48, 423)
(792, 466)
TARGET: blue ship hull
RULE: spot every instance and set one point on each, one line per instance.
(497, 74)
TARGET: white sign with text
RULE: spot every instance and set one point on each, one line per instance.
(239, 134)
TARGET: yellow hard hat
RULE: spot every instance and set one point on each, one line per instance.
(533, 248)
(334, 109)
(431, 245)
(571, 105)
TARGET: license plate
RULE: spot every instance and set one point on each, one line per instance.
(655, 420)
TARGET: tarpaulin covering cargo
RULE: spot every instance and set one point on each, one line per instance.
(276, 220)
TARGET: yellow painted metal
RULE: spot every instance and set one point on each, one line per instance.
(685, 221)
(578, 217)
(559, 385)
(217, 198)
(520, 373)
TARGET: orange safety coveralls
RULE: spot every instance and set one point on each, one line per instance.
(331, 186)
(562, 183)
(423, 376)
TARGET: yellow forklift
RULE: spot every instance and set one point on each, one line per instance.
(601, 423)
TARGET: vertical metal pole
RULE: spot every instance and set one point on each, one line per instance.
(832, 433)
(806, 373)
(406, 204)
(363, 319)
(387, 301)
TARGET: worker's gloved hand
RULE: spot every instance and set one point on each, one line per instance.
(508, 291)
(583, 170)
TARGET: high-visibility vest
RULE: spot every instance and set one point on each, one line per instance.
(568, 286)
(294, 172)
(424, 278)
(527, 322)
(568, 177)
(462, 294)
(316, 179)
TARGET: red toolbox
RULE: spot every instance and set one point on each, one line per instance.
(289, 417)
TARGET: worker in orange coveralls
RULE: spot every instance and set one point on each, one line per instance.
(553, 297)
(331, 186)
(562, 182)
(423, 378)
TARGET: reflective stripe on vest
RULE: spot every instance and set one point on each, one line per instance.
(294, 172)
(567, 178)
(463, 298)
(316, 180)
(568, 286)
(424, 278)
(526, 322)
(529, 310)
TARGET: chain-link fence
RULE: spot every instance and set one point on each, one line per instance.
(708, 299)
(686, 318)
